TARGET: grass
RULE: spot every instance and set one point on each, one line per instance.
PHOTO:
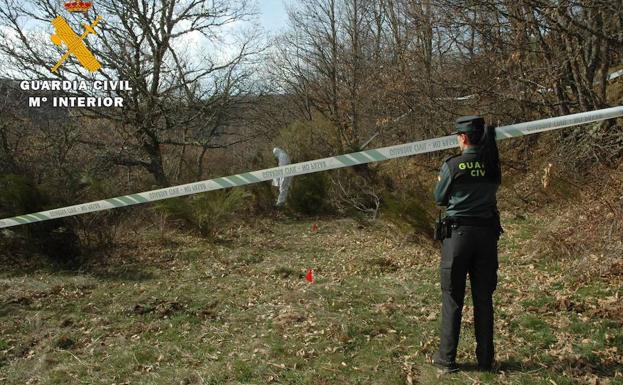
(180, 310)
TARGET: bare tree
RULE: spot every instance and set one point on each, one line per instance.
(177, 100)
(542, 54)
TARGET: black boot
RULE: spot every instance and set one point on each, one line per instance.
(444, 367)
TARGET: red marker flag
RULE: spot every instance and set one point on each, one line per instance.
(314, 228)
(310, 275)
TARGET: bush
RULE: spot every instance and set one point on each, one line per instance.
(206, 213)
(19, 195)
(262, 197)
(601, 143)
(58, 241)
(357, 193)
(98, 230)
(308, 194)
(54, 238)
(411, 213)
(308, 139)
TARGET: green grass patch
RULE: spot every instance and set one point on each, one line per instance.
(538, 302)
(594, 289)
(536, 330)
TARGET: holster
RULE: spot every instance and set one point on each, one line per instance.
(443, 228)
(438, 230)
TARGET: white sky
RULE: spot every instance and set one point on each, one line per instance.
(273, 16)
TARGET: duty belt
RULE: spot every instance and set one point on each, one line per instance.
(472, 221)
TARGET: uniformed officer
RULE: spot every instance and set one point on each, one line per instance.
(467, 187)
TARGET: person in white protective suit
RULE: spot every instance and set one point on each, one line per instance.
(282, 183)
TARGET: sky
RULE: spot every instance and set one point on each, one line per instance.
(273, 16)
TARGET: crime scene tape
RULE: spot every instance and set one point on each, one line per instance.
(312, 166)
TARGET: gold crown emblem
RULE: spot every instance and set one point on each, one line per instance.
(78, 6)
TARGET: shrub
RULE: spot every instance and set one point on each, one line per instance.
(308, 194)
(601, 143)
(98, 230)
(356, 193)
(19, 195)
(58, 241)
(206, 213)
(262, 197)
(55, 239)
(308, 139)
(411, 213)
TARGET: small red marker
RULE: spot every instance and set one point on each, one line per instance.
(310, 275)
(314, 228)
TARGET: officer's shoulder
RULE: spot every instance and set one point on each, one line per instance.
(451, 157)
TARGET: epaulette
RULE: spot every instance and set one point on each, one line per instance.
(450, 157)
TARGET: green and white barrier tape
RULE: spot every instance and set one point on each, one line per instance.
(368, 156)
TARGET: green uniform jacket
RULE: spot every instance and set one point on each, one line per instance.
(464, 188)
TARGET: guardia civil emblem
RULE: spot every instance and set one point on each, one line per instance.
(64, 36)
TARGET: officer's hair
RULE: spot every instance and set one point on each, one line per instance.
(487, 151)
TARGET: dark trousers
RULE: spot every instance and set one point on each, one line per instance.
(471, 250)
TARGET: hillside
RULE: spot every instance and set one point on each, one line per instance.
(173, 308)
(211, 288)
